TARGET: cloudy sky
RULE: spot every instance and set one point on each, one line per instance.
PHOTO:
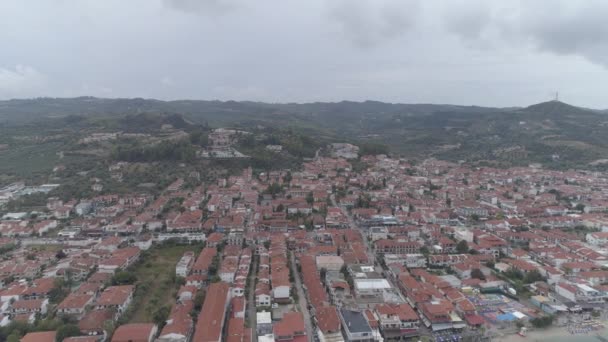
(485, 52)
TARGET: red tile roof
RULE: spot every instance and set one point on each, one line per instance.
(211, 319)
(328, 320)
(42, 336)
(134, 332)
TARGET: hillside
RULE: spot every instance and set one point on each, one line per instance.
(554, 133)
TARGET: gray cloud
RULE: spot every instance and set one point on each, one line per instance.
(561, 27)
(22, 79)
(486, 52)
(367, 23)
(207, 7)
(564, 29)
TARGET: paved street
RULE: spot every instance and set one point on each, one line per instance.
(354, 225)
(251, 312)
(301, 298)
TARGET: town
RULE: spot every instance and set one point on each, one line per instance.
(384, 250)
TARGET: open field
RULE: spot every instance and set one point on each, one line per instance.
(156, 271)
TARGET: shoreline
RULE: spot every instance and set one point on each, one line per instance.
(549, 334)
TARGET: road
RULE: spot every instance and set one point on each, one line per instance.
(353, 224)
(251, 311)
(301, 298)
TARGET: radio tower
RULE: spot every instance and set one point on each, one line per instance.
(556, 97)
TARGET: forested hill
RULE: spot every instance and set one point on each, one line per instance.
(553, 132)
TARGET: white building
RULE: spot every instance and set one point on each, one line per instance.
(580, 293)
(378, 233)
(264, 323)
(370, 287)
(263, 299)
(182, 269)
(597, 238)
(463, 234)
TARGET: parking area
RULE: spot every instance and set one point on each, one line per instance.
(497, 308)
(447, 336)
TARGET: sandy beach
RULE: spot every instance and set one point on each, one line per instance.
(555, 334)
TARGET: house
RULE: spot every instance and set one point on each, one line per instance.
(204, 260)
(179, 327)
(186, 293)
(81, 339)
(32, 306)
(42, 336)
(264, 323)
(580, 293)
(262, 294)
(74, 305)
(291, 328)
(597, 238)
(120, 259)
(183, 267)
(355, 326)
(437, 314)
(94, 322)
(135, 332)
(236, 331)
(386, 246)
(397, 320)
(212, 319)
(328, 324)
(117, 298)
(281, 286)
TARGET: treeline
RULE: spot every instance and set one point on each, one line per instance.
(167, 150)
(295, 143)
(370, 148)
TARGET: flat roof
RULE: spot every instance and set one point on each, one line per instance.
(370, 284)
(264, 317)
(355, 321)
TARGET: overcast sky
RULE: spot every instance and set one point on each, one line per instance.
(484, 52)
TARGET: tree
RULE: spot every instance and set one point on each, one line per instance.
(60, 255)
(373, 149)
(309, 198)
(514, 274)
(477, 274)
(462, 247)
(532, 276)
(424, 250)
(274, 189)
(287, 178)
(124, 278)
(180, 281)
(542, 322)
(160, 315)
(66, 331)
(199, 299)
(580, 207)
(280, 208)
(199, 137)
(59, 291)
(323, 274)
